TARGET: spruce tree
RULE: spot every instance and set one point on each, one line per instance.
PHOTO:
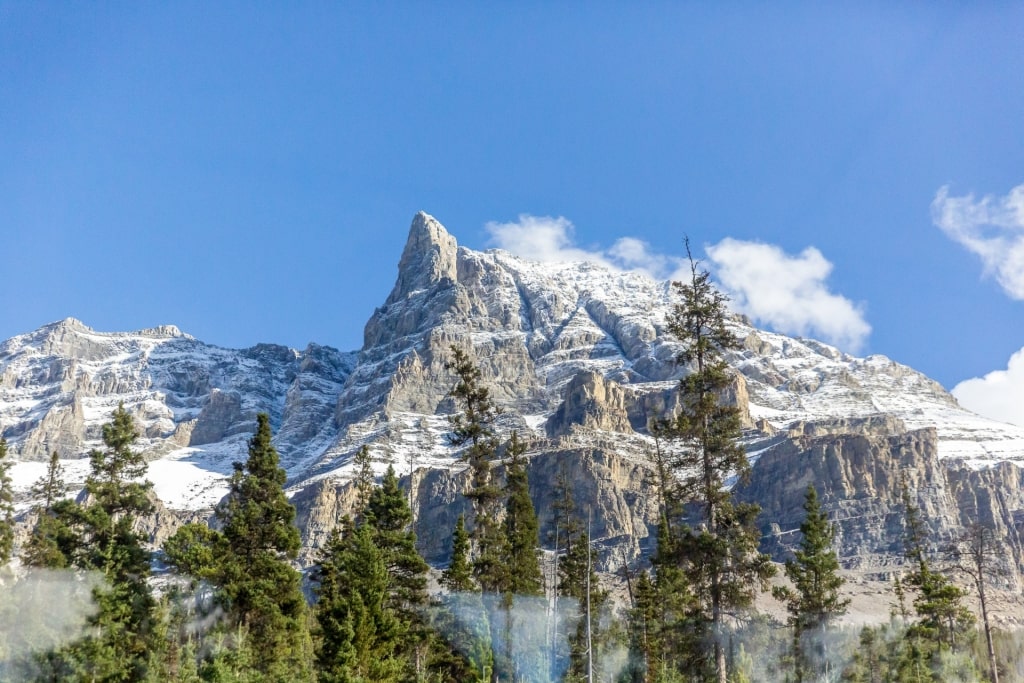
(521, 527)
(359, 635)
(814, 602)
(720, 552)
(43, 546)
(6, 507)
(263, 590)
(364, 480)
(473, 428)
(578, 580)
(458, 577)
(390, 519)
(943, 622)
(460, 616)
(102, 537)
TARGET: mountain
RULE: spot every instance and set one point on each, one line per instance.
(577, 357)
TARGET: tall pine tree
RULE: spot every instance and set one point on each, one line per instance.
(473, 428)
(719, 553)
(521, 527)
(249, 564)
(263, 589)
(102, 537)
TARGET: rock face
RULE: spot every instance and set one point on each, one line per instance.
(578, 358)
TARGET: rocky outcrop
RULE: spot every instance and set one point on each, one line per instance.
(220, 417)
(591, 402)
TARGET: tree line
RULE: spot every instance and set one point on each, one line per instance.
(232, 607)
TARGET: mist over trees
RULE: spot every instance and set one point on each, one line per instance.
(229, 603)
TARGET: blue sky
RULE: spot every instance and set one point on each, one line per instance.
(248, 171)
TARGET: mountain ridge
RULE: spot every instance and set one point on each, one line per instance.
(533, 327)
(578, 357)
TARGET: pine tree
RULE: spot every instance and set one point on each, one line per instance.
(578, 580)
(359, 635)
(814, 602)
(720, 554)
(458, 577)
(364, 480)
(473, 428)
(102, 537)
(943, 620)
(6, 507)
(460, 615)
(263, 590)
(521, 527)
(390, 519)
(43, 546)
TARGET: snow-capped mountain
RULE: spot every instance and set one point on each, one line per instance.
(537, 330)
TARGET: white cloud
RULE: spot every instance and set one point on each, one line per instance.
(998, 395)
(541, 238)
(547, 239)
(787, 292)
(991, 227)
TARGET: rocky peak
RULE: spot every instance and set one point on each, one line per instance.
(429, 257)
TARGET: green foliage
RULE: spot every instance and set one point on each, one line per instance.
(6, 507)
(473, 428)
(248, 563)
(390, 520)
(521, 527)
(718, 553)
(359, 634)
(458, 577)
(263, 590)
(892, 654)
(100, 535)
(813, 602)
(943, 622)
(371, 597)
(197, 551)
(577, 579)
(43, 548)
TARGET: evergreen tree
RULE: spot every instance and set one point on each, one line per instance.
(473, 428)
(814, 602)
(263, 590)
(6, 507)
(720, 553)
(43, 546)
(390, 519)
(102, 537)
(364, 480)
(521, 527)
(460, 616)
(359, 635)
(942, 618)
(458, 577)
(577, 579)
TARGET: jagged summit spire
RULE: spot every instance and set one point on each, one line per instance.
(428, 258)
